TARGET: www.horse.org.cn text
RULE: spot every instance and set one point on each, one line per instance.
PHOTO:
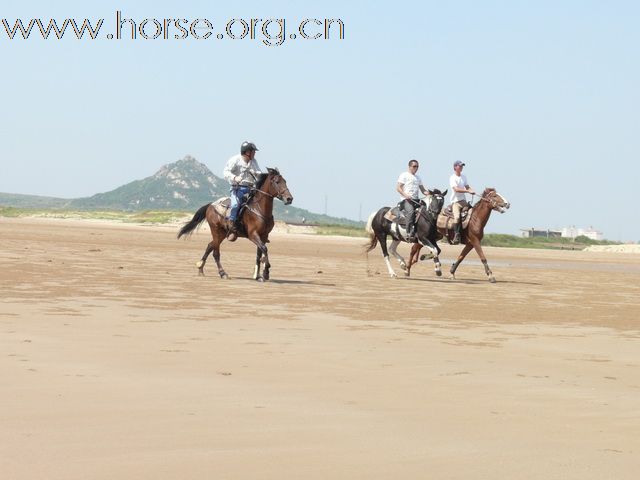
(271, 32)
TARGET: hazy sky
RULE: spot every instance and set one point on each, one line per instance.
(539, 98)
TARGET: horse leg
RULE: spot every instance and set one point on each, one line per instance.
(483, 259)
(256, 271)
(413, 257)
(467, 248)
(216, 257)
(203, 260)
(382, 240)
(436, 261)
(261, 257)
(393, 248)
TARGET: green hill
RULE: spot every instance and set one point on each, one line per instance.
(182, 186)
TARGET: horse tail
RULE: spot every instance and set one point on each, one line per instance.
(369, 228)
(373, 240)
(197, 219)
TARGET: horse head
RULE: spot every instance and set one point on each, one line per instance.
(497, 201)
(435, 201)
(274, 184)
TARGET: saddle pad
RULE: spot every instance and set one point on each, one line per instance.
(222, 206)
(447, 222)
(448, 211)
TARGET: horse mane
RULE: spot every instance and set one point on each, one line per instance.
(263, 176)
(488, 191)
(436, 191)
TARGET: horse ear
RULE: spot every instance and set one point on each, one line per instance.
(430, 192)
(273, 171)
(445, 192)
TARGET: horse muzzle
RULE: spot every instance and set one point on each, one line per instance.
(504, 208)
(288, 200)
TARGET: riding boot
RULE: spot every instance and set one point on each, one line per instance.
(458, 233)
(411, 232)
(232, 230)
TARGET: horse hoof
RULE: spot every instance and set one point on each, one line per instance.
(403, 266)
(224, 276)
(260, 279)
(439, 273)
(492, 279)
(452, 277)
(201, 273)
(200, 264)
(393, 275)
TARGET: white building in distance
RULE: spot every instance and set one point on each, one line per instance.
(573, 232)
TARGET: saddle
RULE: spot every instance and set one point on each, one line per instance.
(396, 215)
(398, 218)
(222, 206)
(445, 219)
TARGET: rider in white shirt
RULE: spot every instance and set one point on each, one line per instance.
(242, 172)
(409, 187)
(459, 187)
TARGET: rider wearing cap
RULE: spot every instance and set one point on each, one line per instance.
(459, 186)
(409, 187)
(242, 173)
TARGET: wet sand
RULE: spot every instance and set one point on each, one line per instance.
(118, 361)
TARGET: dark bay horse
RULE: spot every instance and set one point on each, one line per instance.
(490, 200)
(256, 221)
(379, 228)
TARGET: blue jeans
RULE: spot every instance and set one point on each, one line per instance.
(237, 196)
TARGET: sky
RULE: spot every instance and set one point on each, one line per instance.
(539, 98)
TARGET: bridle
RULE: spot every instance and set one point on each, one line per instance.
(257, 190)
(431, 215)
(498, 206)
(275, 184)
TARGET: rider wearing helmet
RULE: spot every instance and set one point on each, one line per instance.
(459, 186)
(242, 173)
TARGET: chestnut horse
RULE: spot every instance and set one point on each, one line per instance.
(472, 235)
(256, 222)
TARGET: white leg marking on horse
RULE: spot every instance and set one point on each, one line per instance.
(391, 272)
(255, 272)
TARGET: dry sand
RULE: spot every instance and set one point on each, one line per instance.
(118, 362)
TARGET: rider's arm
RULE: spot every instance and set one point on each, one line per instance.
(228, 174)
(255, 167)
(399, 189)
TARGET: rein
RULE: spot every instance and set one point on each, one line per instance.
(255, 212)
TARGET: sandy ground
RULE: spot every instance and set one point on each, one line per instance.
(118, 361)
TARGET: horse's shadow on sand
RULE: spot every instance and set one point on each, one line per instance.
(466, 281)
(284, 281)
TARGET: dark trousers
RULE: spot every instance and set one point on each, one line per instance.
(409, 208)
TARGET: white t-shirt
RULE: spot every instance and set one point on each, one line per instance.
(411, 184)
(460, 182)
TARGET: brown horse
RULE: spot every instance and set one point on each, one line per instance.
(473, 233)
(256, 222)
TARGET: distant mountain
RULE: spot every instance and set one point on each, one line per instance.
(184, 185)
(181, 185)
